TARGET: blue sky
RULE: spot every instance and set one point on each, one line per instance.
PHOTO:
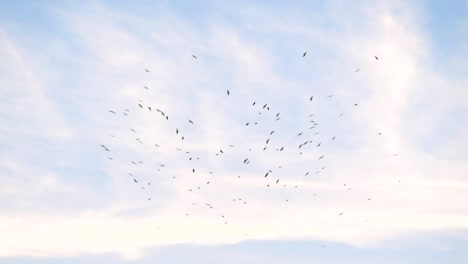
(65, 65)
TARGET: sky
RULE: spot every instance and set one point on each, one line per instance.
(120, 143)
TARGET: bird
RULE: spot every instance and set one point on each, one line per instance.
(227, 91)
(340, 214)
(330, 95)
(135, 180)
(140, 106)
(312, 97)
(195, 57)
(333, 138)
(303, 55)
(110, 111)
(321, 157)
(147, 70)
(191, 122)
(318, 145)
(277, 181)
(380, 134)
(355, 104)
(272, 132)
(377, 58)
(177, 131)
(369, 198)
(357, 70)
(146, 87)
(193, 170)
(247, 124)
(253, 103)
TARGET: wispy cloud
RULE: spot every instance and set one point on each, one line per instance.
(72, 199)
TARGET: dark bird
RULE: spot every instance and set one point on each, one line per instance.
(227, 91)
(253, 103)
(110, 111)
(146, 87)
(221, 151)
(380, 134)
(277, 181)
(195, 57)
(355, 104)
(265, 106)
(312, 97)
(299, 134)
(149, 107)
(321, 157)
(318, 145)
(231, 145)
(191, 122)
(357, 70)
(340, 214)
(268, 140)
(140, 106)
(330, 95)
(147, 70)
(246, 160)
(377, 58)
(303, 55)
(272, 132)
(333, 138)
(135, 180)
(177, 131)
(369, 198)
(277, 114)
(193, 170)
(247, 124)
(281, 149)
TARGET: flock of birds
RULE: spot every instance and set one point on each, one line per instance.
(304, 138)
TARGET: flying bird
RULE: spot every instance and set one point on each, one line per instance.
(147, 70)
(110, 111)
(146, 87)
(191, 122)
(227, 91)
(195, 57)
(312, 97)
(357, 70)
(377, 58)
(303, 55)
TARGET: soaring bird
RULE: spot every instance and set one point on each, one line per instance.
(333, 138)
(321, 157)
(191, 122)
(377, 58)
(140, 106)
(110, 111)
(147, 70)
(146, 87)
(177, 131)
(195, 57)
(355, 104)
(227, 91)
(253, 103)
(135, 180)
(357, 70)
(303, 55)
(312, 97)
(272, 132)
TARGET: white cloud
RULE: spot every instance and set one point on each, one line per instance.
(416, 190)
